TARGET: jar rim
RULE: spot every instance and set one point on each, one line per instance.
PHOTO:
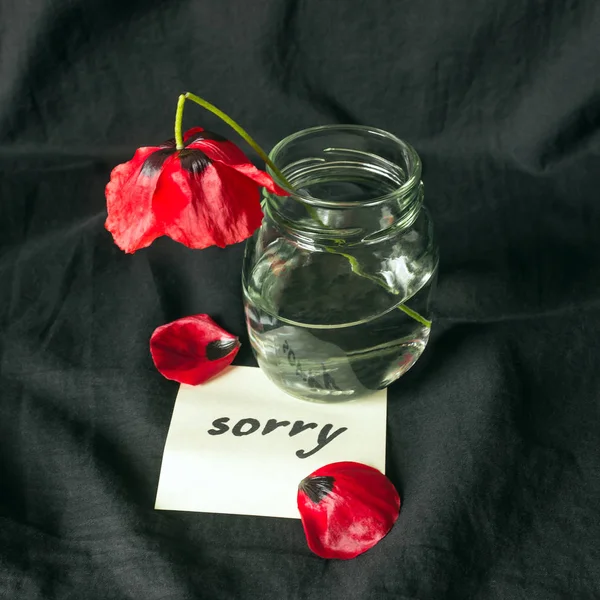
(413, 164)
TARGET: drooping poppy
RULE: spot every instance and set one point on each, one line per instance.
(346, 508)
(207, 194)
(193, 349)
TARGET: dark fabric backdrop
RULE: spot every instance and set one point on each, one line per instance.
(492, 437)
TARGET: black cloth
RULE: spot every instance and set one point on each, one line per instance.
(492, 437)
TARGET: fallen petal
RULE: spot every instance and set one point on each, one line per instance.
(346, 508)
(193, 349)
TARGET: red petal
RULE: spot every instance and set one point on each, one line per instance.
(229, 154)
(129, 203)
(192, 132)
(192, 349)
(352, 510)
(216, 207)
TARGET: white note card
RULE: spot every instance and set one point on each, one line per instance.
(239, 445)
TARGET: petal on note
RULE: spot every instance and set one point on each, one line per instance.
(346, 508)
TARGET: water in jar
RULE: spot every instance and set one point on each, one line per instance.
(337, 345)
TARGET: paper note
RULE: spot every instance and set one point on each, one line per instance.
(239, 445)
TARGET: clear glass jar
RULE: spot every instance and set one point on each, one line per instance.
(339, 278)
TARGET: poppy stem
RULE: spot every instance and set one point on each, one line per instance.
(263, 155)
(237, 128)
(355, 266)
(178, 121)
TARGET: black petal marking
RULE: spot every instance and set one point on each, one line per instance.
(220, 348)
(205, 135)
(155, 161)
(316, 488)
(194, 161)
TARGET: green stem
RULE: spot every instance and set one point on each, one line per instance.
(415, 315)
(311, 211)
(355, 266)
(178, 120)
(240, 131)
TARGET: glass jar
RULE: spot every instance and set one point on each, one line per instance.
(338, 280)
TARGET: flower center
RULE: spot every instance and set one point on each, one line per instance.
(192, 159)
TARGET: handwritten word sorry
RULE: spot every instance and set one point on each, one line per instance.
(249, 426)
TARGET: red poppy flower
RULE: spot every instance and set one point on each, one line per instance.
(192, 349)
(346, 508)
(204, 195)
